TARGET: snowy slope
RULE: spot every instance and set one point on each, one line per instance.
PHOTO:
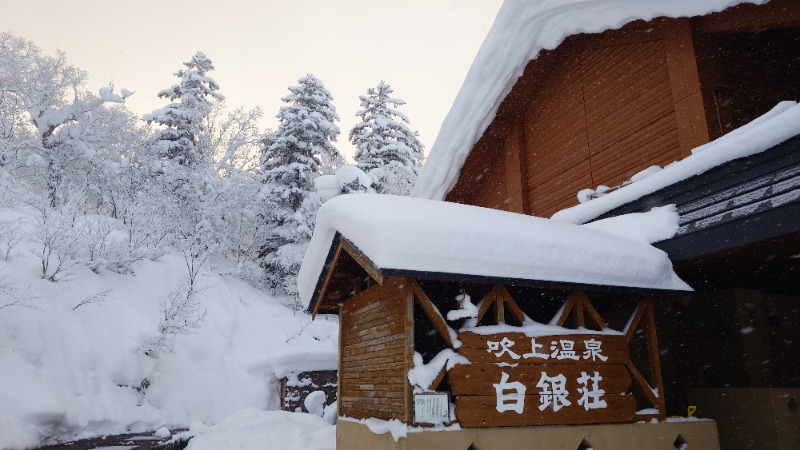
(522, 29)
(65, 371)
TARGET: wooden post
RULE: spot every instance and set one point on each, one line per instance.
(646, 310)
(499, 311)
(684, 79)
(656, 379)
(409, 359)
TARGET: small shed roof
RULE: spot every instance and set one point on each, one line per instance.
(402, 235)
(522, 29)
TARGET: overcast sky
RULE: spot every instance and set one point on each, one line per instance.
(422, 48)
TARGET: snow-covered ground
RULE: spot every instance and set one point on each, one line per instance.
(72, 372)
(255, 429)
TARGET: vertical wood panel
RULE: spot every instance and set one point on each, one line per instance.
(557, 152)
(685, 83)
(514, 171)
(372, 367)
(629, 108)
(596, 110)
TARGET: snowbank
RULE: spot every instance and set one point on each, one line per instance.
(522, 29)
(769, 130)
(315, 348)
(82, 372)
(252, 429)
(405, 233)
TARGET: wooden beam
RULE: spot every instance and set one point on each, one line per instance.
(484, 304)
(684, 79)
(512, 305)
(432, 312)
(593, 314)
(439, 377)
(646, 389)
(499, 310)
(326, 280)
(362, 260)
(566, 309)
(656, 379)
(408, 363)
(633, 322)
(580, 320)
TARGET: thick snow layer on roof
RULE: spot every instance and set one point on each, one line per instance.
(314, 347)
(769, 130)
(522, 29)
(431, 236)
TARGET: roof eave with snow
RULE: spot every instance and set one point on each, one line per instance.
(439, 240)
(501, 60)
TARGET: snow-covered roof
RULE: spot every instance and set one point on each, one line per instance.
(522, 29)
(769, 130)
(416, 235)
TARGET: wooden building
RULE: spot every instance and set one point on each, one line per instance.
(697, 96)
(562, 330)
(601, 107)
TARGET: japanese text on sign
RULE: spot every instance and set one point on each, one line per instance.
(551, 389)
(562, 349)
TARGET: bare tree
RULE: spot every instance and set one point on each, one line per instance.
(11, 234)
(11, 295)
(62, 238)
(181, 314)
(98, 298)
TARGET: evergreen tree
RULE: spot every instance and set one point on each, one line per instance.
(386, 148)
(181, 140)
(293, 157)
(303, 141)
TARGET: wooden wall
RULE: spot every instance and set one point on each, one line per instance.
(600, 108)
(594, 111)
(376, 350)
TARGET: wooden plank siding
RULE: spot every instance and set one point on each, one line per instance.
(374, 352)
(596, 110)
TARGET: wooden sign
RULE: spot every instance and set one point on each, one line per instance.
(517, 380)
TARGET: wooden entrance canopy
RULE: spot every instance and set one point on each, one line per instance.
(570, 367)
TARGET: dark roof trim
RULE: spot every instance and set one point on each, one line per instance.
(766, 225)
(521, 282)
(755, 179)
(784, 154)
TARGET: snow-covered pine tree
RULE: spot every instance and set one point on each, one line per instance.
(192, 99)
(295, 154)
(386, 148)
(292, 158)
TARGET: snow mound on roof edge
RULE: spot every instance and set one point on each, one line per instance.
(440, 237)
(500, 62)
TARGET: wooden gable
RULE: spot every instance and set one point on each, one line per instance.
(600, 108)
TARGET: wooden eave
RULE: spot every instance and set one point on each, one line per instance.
(325, 301)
